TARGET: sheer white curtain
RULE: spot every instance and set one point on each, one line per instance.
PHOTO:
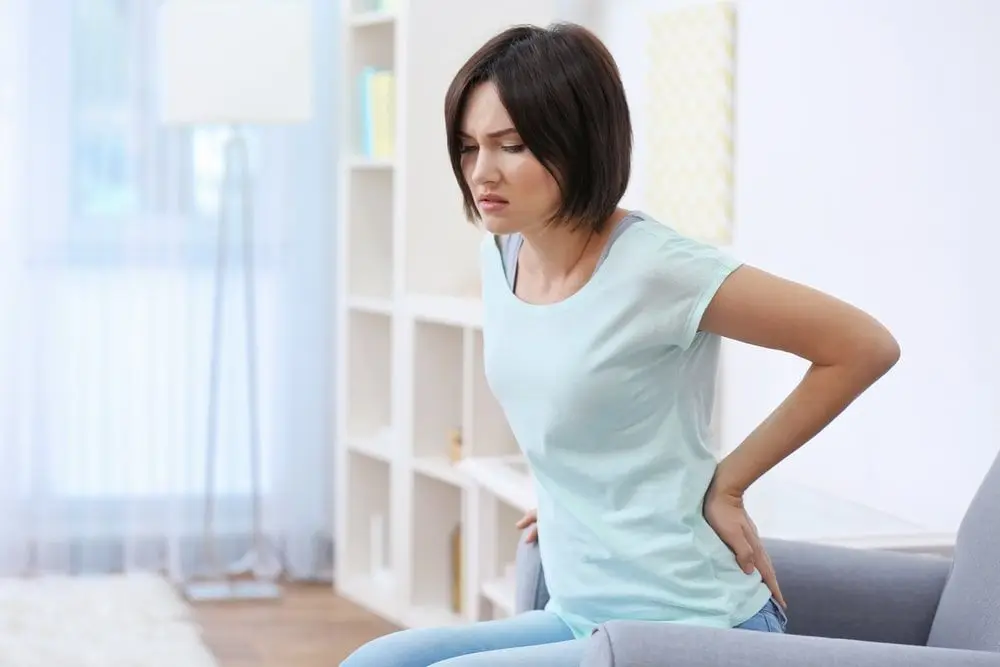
(107, 242)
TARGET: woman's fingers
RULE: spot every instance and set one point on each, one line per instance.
(528, 519)
(740, 543)
(762, 561)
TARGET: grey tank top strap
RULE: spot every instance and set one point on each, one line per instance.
(510, 247)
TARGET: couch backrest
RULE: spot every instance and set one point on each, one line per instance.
(968, 615)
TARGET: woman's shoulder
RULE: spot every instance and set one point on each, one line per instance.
(669, 265)
(656, 245)
(659, 235)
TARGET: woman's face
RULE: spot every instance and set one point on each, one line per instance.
(513, 191)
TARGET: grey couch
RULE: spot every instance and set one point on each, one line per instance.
(847, 608)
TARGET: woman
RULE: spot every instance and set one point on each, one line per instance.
(602, 330)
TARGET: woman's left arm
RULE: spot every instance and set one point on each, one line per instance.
(848, 350)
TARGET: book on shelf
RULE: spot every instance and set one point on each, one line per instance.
(378, 112)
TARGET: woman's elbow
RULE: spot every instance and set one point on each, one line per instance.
(879, 352)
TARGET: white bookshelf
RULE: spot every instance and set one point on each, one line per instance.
(409, 360)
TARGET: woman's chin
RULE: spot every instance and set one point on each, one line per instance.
(499, 224)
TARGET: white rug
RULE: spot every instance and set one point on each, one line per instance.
(114, 621)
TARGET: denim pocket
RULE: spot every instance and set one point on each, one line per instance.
(770, 618)
(779, 614)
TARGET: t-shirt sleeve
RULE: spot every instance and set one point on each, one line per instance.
(688, 275)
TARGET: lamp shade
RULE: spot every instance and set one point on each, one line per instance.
(234, 61)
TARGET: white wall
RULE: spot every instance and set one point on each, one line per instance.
(868, 143)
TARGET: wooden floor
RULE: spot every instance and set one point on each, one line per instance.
(309, 627)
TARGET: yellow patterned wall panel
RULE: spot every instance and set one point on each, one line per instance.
(691, 53)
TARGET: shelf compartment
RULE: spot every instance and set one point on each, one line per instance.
(437, 391)
(369, 236)
(499, 594)
(368, 557)
(498, 519)
(369, 399)
(508, 536)
(373, 48)
(444, 236)
(438, 549)
(490, 433)
(507, 478)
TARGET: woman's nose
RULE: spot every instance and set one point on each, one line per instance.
(484, 169)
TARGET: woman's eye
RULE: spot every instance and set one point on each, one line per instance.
(514, 149)
(467, 149)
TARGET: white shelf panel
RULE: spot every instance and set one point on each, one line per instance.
(371, 305)
(498, 563)
(380, 595)
(369, 390)
(368, 556)
(381, 598)
(370, 237)
(455, 311)
(500, 593)
(441, 469)
(489, 432)
(437, 388)
(378, 446)
(364, 163)
(430, 617)
(372, 19)
(449, 236)
(437, 558)
(506, 478)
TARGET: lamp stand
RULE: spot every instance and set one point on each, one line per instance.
(254, 575)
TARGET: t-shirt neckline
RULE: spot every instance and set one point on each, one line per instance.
(627, 222)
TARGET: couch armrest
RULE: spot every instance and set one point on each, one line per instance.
(867, 595)
(650, 644)
(530, 592)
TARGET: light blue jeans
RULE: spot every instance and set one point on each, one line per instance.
(531, 639)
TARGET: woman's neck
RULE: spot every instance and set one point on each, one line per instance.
(554, 253)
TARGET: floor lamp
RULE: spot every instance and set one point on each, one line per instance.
(239, 64)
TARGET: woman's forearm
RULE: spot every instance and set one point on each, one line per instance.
(848, 349)
(823, 393)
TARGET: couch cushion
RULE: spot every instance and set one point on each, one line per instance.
(968, 615)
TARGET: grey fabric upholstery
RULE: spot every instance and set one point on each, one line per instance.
(968, 615)
(637, 644)
(530, 592)
(868, 595)
(846, 607)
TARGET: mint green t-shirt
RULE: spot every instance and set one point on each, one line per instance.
(610, 394)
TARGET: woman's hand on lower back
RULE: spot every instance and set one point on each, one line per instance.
(530, 519)
(728, 517)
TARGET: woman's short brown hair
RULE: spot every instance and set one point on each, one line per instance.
(562, 90)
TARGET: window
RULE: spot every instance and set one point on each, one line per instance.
(124, 233)
(107, 151)
(127, 175)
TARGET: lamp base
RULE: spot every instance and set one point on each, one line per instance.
(224, 590)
